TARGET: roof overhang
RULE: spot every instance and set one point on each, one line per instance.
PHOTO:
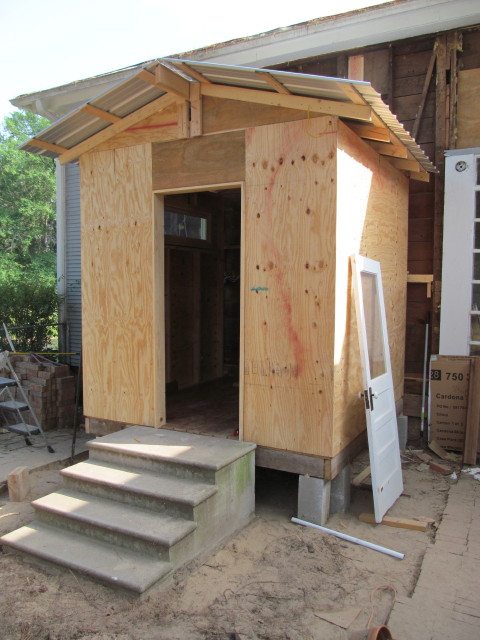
(162, 83)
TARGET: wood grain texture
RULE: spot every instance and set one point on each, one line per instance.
(288, 286)
(468, 116)
(117, 285)
(159, 127)
(220, 114)
(372, 216)
(199, 161)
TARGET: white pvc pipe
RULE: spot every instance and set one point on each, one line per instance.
(345, 536)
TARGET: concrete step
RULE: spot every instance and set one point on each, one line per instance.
(164, 493)
(162, 450)
(158, 496)
(113, 522)
(106, 563)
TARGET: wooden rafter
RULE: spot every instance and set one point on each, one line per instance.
(104, 135)
(316, 105)
(370, 132)
(168, 81)
(173, 83)
(273, 82)
(351, 92)
(100, 113)
(48, 146)
(196, 75)
(406, 164)
(389, 149)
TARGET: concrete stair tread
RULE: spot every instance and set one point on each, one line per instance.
(175, 447)
(123, 518)
(158, 486)
(98, 560)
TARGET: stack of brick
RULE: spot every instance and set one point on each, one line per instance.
(50, 389)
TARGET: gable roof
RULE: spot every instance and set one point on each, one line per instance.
(165, 81)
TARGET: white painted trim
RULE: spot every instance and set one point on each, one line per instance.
(357, 29)
(457, 255)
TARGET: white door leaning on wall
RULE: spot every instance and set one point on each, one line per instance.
(378, 394)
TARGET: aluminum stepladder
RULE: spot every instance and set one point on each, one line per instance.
(10, 406)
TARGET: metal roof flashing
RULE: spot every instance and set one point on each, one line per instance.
(352, 99)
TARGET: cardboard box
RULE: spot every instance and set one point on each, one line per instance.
(449, 382)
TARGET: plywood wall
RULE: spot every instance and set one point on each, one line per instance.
(288, 285)
(120, 343)
(372, 219)
(468, 116)
(192, 162)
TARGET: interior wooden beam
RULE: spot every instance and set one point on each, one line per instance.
(100, 113)
(421, 176)
(173, 83)
(107, 133)
(389, 149)
(273, 82)
(351, 92)
(183, 117)
(406, 164)
(191, 72)
(370, 132)
(48, 146)
(196, 110)
(316, 105)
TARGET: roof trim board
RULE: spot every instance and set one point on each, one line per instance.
(170, 80)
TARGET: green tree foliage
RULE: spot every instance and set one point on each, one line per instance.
(27, 234)
(27, 192)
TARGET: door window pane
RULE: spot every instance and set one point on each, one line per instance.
(476, 297)
(185, 226)
(475, 327)
(475, 349)
(476, 266)
(373, 325)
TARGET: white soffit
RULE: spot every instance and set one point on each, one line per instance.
(374, 25)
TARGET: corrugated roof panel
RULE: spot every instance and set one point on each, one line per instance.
(123, 100)
(132, 93)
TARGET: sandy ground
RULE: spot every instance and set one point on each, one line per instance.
(274, 580)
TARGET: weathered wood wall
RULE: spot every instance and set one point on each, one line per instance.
(121, 347)
(372, 219)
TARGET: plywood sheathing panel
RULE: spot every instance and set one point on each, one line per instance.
(288, 285)
(199, 161)
(468, 116)
(372, 209)
(118, 285)
(159, 127)
(227, 115)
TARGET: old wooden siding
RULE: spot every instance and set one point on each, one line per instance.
(468, 117)
(288, 285)
(119, 339)
(372, 210)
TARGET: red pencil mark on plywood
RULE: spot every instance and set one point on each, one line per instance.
(284, 291)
